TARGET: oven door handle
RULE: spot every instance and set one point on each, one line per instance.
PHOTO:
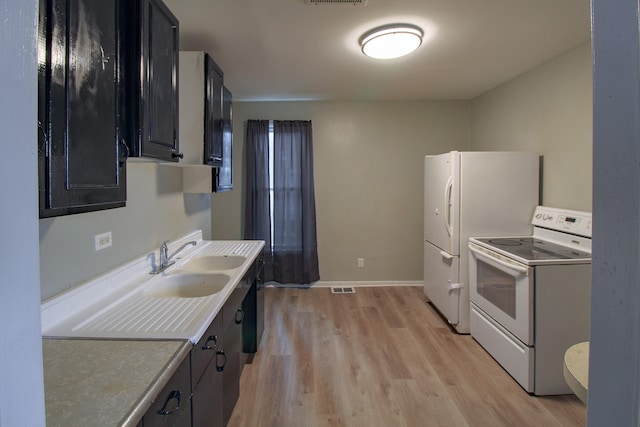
(518, 268)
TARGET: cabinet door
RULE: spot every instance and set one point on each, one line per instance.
(80, 147)
(235, 362)
(213, 124)
(207, 399)
(155, 61)
(172, 406)
(249, 324)
(224, 174)
(253, 306)
(233, 318)
(206, 349)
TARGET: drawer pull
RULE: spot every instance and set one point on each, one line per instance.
(213, 338)
(239, 316)
(219, 367)
(175, 394)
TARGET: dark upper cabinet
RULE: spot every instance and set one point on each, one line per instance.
(224, 173)
(81, 152)
(153, 91)
(213, 123)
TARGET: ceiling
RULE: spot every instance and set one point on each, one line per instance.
(287, 50)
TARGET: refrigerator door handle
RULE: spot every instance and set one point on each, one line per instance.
(454, 286)
(446, 255)
(447, 205)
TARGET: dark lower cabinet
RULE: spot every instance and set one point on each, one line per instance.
(233, 319)
(152, 61)
(253, 306)
(207, 399)
(81, 132)
(204, 390)
(253, 324)
(208, 362)
(238, 323)
(172, 406)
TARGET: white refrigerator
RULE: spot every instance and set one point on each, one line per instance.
(471, 194)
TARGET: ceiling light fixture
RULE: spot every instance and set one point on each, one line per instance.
(391, 41)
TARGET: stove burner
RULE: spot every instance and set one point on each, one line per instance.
(506, 242)
(530, 240)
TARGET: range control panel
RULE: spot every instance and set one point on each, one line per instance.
(574, 222)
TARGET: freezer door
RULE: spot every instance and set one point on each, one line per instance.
(441, 188)
(441, 281)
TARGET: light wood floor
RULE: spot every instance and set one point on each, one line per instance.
(380, 357)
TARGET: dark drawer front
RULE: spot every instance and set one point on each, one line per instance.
(205, 350)
(232, 310)
(173, 404)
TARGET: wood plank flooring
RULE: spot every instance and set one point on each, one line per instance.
(379, 357)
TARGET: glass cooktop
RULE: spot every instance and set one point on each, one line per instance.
(534, 249)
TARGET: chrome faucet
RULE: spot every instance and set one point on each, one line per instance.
(166, 260)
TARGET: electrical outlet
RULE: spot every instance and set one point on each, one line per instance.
(360, 262)
(102, 240)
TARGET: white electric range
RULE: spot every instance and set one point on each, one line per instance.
(530, 296)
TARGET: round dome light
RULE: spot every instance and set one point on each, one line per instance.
(391, 41)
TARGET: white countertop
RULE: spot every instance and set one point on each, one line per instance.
(114, 305)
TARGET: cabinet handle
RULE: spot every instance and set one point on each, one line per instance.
(177, 155)
(219, 367)
(125, 156)
(239, 319)
(45, 138)
(213, 338)
(175, 394)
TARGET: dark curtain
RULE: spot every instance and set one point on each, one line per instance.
(291, 253)
(257, 218)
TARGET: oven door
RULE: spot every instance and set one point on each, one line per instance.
(503, 288)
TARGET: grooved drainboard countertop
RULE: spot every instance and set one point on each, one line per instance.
(115, 305)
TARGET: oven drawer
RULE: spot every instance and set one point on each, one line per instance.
(515, 357)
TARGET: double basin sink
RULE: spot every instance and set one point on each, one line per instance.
(131, 303)
(196, 278)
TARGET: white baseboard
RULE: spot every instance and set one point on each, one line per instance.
(352, 284)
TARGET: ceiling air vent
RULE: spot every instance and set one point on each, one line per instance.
(336, 2)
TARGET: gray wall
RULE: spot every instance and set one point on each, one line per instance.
(614, 358)
(156, 210)
(368, 169)
(21, 384)
(368, 161)
(547, 110)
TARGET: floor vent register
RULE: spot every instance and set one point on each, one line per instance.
(349, 290)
